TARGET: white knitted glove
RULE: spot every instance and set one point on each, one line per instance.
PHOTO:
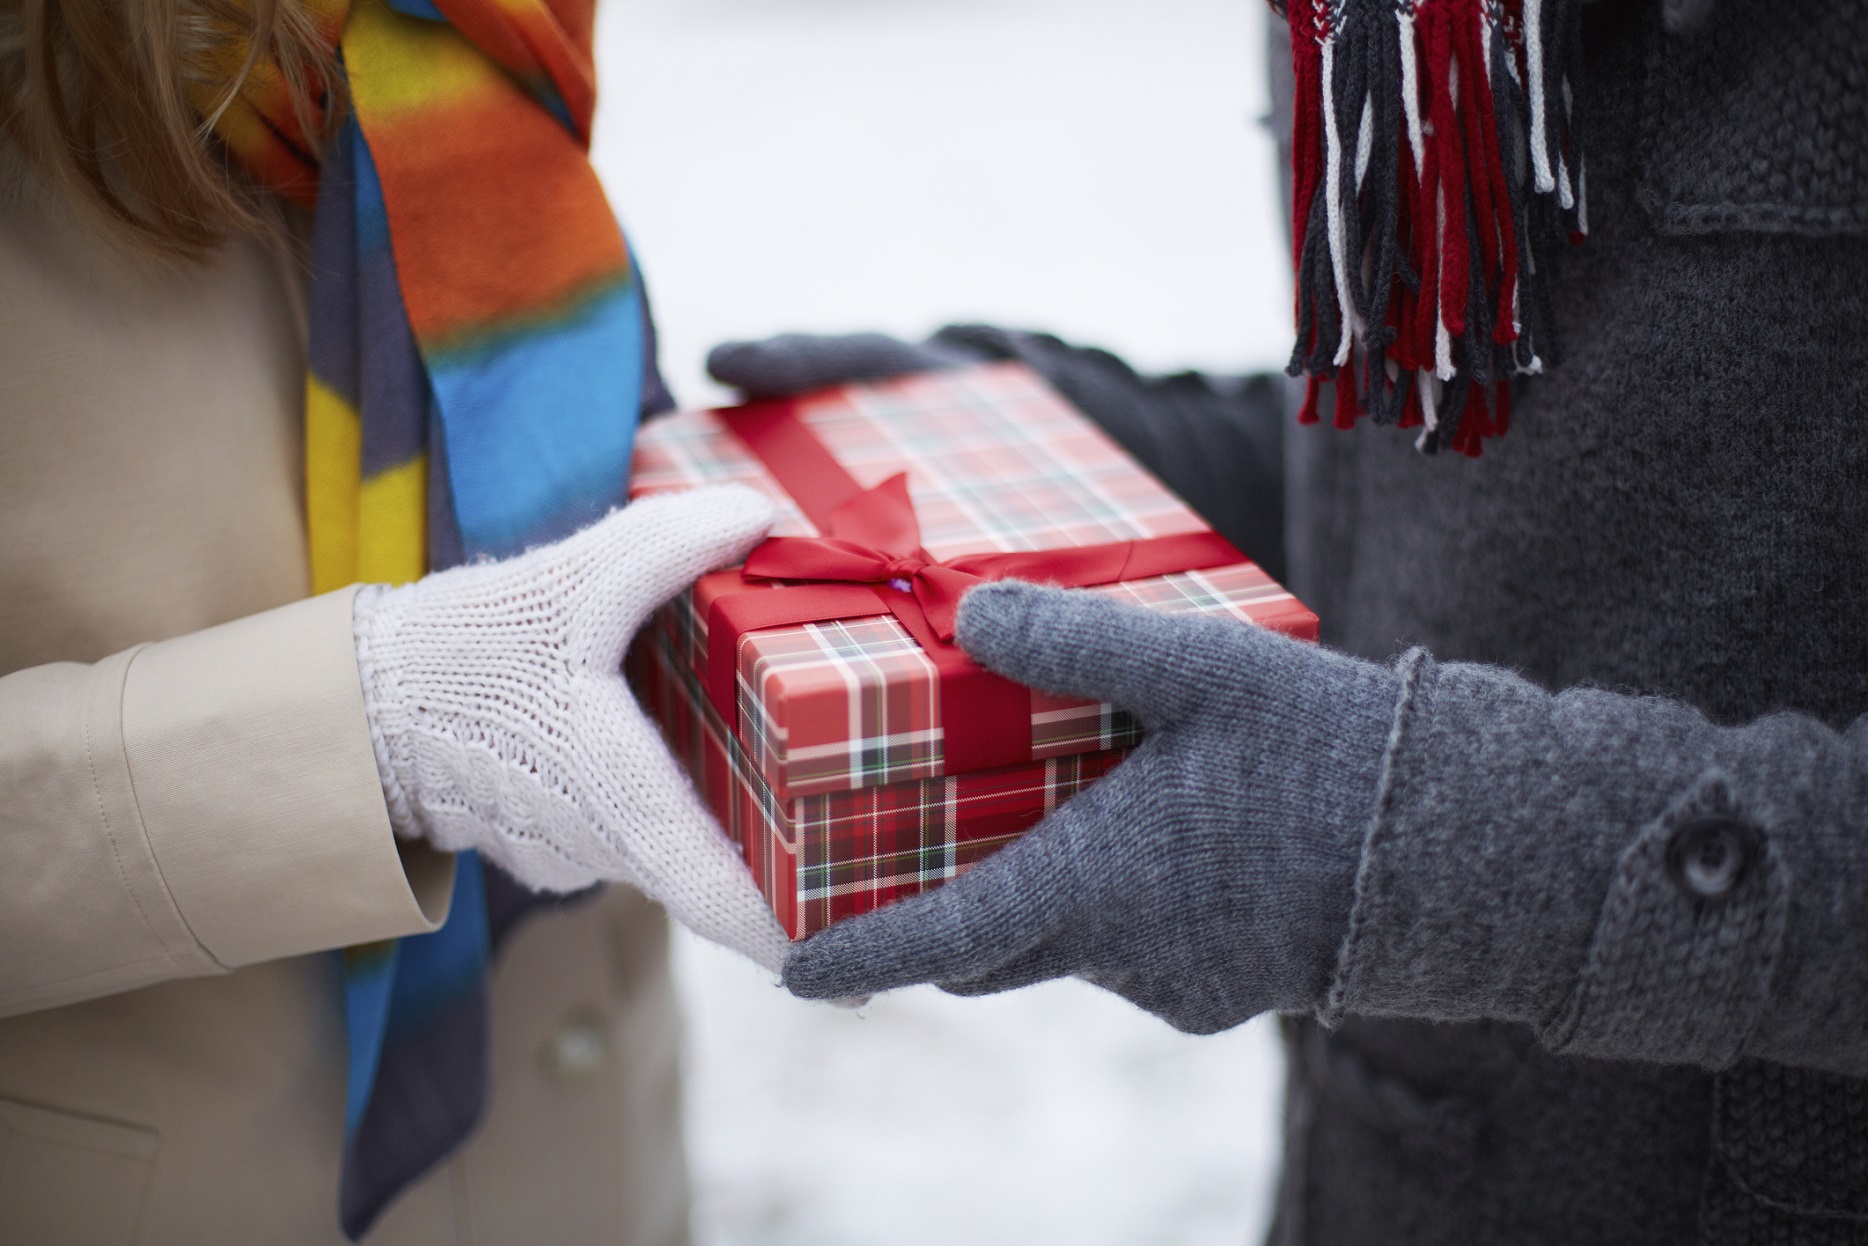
(502, 722)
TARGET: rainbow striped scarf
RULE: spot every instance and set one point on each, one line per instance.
(479, 351)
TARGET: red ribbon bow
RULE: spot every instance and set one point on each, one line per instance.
(870, 561)
(874, 538)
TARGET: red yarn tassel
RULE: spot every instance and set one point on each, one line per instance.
(1307, 414)
(1451, 183)
(1479, 415)
(1476, 117)
(1346, 407)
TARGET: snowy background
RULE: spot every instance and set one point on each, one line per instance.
(1091, 167)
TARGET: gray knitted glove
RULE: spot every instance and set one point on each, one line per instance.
(794, 363)
(1628, 879)
(1209, 877)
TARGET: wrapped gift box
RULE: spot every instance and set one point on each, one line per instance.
(853, 754)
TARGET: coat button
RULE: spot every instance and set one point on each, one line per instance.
(576, 1048)
(1708, 855)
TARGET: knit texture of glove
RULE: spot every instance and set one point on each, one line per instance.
(1209, 877)
(502, 722)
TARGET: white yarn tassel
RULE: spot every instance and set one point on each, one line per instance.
(1429, 412)
(1332, 191)
(1365, 134)
(1564, 197)
(1534, 60)
(1410, 91)
(1442, 339)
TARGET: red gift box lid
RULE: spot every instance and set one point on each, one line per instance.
(996, 461)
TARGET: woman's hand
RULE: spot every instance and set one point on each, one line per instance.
(503, 724)
(1209, 877)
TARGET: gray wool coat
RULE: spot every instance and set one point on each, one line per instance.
(1680, 511)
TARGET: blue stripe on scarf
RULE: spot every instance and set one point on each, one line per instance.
(369, 973)
(424, 9)
(435, 968)
(390, 988)
(540, 424)
(415, 1016)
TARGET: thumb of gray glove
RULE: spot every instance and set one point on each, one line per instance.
(1209, 877)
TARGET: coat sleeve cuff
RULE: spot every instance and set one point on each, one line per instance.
(1480, 882)
(250, 757)
(1578, 863)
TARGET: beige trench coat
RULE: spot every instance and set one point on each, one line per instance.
(189, 815)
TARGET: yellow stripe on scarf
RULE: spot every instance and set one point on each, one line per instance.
(333, 485)
(392, 543)
(373, 530)
(401, 65)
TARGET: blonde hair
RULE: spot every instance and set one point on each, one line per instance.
(100, 98)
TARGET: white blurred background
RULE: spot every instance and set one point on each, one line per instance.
(1090, 167)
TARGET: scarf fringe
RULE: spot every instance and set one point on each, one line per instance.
(1436, 171)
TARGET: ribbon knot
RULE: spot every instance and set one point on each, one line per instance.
(904, 569)
(869, 561)
(873, 537)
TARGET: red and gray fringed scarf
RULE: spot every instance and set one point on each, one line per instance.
(1435, 170)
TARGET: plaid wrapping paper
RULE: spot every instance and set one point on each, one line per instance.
(819, 859)
(997, 462)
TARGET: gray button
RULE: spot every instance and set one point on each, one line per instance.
(1709, 855)
(576, 1048)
